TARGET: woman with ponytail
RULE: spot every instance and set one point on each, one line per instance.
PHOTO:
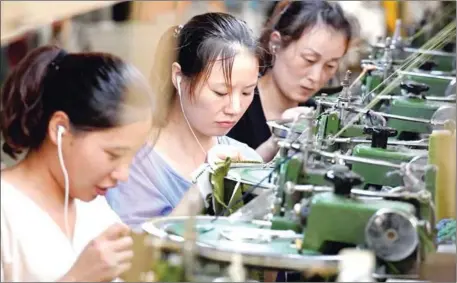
(204, 77)
(80, 118)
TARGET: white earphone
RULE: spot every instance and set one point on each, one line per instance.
(178, 82)
(60, 131)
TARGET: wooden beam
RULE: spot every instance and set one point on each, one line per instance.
(19, 17)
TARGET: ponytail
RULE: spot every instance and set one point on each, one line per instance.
(21, 102)
(166, 54)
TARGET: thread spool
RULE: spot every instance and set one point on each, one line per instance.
(442, 154)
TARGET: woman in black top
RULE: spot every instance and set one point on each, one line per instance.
(303, 42)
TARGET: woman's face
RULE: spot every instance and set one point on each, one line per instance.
(214, 110)
(96, 161)
(306, 65)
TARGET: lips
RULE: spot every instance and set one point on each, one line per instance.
(101, 191)
(307, 90)
(226, 124)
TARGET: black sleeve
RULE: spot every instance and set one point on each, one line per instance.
(252, 129)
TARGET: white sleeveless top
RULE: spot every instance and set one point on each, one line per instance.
(33, 247)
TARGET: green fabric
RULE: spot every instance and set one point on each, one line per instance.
(223, 189)
(217, 183)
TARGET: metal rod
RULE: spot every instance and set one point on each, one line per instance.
(354, 192)
(429, 52)
(424, 75)
(441, 99)
(430, 98)
(362, 160)
(386, 115)
(419, 143)
(405, 118)
(312, 189)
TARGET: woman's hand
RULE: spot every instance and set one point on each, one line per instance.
(104, 258)
(269, 148)
(220, 152)
(293, 113)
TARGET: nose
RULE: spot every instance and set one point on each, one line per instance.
(234, 106)
(121, 173)
(314, 74)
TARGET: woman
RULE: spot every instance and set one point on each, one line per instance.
(81, 117)
(303, 43)
(204, 88)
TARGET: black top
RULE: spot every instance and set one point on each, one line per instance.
(252, 129)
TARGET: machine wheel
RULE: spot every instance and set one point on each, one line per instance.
(392, 234)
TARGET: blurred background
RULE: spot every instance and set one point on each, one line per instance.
(131, 29)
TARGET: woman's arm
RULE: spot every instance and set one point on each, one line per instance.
(268, 149)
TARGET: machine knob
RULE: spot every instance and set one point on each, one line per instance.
(380, 135)
(414, 87)
(428, 66)
(343, 180)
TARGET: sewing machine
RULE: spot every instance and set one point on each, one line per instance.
(392, 225)
(400, 49)
(390, 62)
(410, 112)
(344, 216)
(439, 84)
(378, 176)
(413, 103)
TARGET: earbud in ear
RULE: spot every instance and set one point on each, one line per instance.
(60, 130)
(274, 48)
(178, 82)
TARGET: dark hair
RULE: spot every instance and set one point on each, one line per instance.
(95, 90)
(196, 46)
(292, 18)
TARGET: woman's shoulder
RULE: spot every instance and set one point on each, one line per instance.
(11, 194)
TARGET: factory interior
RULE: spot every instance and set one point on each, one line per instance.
(228, 141)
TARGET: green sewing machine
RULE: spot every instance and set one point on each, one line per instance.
(388, 67)
(409, 112)
(395, 228)
(414, 104)
(439, 85)
(378, 176)
(354, 140)
(401, 49)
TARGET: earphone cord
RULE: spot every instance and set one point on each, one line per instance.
(187, 121)
(66, 180)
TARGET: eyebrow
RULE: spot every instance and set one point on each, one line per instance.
(320, 55)
(119, 148)
(224, 84)
(251, 85)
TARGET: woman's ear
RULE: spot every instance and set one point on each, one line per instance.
(275, 42)
(58, 119)
(175, 73)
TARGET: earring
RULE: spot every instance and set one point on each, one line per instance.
(274, 49)
(273, 54)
